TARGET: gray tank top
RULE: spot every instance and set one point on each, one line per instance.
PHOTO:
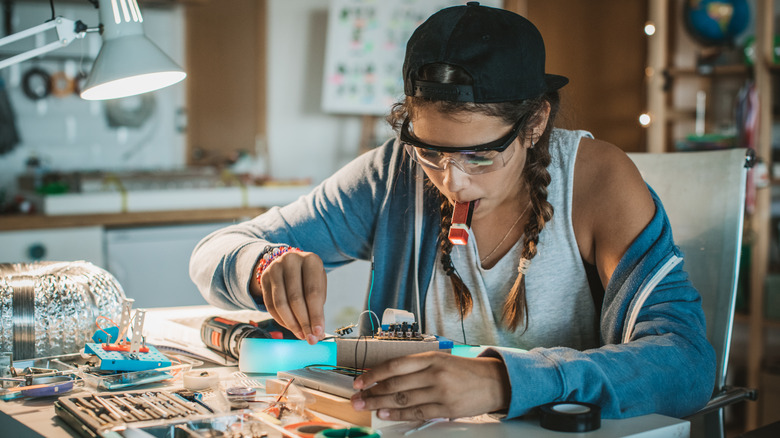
(560, 305)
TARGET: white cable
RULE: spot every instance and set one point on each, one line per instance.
(379, 323)
(418, 207)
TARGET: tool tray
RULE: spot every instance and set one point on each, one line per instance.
(92, 415)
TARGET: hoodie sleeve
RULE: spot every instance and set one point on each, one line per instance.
(667, 366)
(335, 221)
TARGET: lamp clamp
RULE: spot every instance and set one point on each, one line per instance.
(67, 31)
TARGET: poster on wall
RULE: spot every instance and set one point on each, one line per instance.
(364, 51)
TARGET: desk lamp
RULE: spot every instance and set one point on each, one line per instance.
(128, 62)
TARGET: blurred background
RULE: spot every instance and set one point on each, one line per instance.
(280, 94)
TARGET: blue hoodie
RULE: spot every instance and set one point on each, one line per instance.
(654, 357)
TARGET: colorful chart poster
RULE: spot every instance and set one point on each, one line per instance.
(364, 54)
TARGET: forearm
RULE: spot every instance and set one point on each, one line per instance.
(221, 267)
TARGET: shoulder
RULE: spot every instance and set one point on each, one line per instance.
(605, 173)
(611, 202)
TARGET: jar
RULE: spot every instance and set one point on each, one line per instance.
(51, 308)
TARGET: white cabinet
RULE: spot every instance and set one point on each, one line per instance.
(152, 263)
(53, 244)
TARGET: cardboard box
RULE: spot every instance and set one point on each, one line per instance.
(328, 404)
(368, 352)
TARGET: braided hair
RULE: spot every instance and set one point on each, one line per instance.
(535, 177)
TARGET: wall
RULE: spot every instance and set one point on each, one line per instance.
(72, 134)
(297, 127)
(601, 47)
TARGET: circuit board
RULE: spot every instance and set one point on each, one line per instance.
(126, 361)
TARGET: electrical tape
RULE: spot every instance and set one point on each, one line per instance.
(308, 429)
(36, 83)
(200, 380)
(570, 416)
(240, 396)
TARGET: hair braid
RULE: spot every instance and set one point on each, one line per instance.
(537, 178)
(462, 294)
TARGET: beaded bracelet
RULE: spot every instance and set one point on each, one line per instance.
(269, 254)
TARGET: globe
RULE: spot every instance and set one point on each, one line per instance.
(716, 22)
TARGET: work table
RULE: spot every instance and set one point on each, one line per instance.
(36, 417)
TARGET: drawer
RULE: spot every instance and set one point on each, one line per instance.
(54, 244)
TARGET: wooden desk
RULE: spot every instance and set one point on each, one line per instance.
(36, 417)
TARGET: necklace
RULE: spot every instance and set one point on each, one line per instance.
(507, 233)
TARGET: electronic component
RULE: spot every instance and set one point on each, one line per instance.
(225, 335)
(127, 361)
(401, 332)
(347, 329)
(461, 222)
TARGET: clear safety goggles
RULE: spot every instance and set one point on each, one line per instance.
(473, 160)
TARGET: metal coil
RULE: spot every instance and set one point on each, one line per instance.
(50, 308)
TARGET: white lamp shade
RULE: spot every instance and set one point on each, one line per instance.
(130, 65)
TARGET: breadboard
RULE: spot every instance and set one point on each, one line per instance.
(126, 361)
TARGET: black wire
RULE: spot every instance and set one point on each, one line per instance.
(357, 344)
(365, 355)
(462, 328)
(51, 3)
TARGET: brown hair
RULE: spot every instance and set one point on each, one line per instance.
(536, 177)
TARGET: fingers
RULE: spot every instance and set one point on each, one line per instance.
(417, 404)
(432, 385)
(395, 367)
(315, 288)
(294, 290)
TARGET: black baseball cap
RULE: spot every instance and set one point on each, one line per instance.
(502, 51)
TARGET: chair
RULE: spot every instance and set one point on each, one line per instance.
(704, 196)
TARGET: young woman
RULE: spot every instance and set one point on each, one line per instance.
(570, 255)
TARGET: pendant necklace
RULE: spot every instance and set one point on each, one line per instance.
(507, 233)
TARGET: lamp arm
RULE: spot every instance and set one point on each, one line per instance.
(67, 31)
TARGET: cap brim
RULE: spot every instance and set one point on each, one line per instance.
(554, 82)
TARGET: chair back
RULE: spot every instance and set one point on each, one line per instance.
(704, 196)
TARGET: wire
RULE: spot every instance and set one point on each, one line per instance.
(379, 323)
(51, 3)
(365, 353)
(371, 289)
(462, 328)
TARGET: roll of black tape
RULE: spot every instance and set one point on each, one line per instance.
(36, 83)
(570, 416)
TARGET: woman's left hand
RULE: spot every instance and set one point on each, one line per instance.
(433, 385)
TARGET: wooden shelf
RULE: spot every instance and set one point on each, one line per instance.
(744, 319)
(662, 85)
(718, 70)
(174, 217)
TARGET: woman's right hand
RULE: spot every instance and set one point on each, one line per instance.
(293, 288)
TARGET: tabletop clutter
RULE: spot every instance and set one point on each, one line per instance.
(60, 346)
(120, 385)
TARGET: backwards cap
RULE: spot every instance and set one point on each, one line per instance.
(502, 51)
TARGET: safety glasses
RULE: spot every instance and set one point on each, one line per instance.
(473, 160)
